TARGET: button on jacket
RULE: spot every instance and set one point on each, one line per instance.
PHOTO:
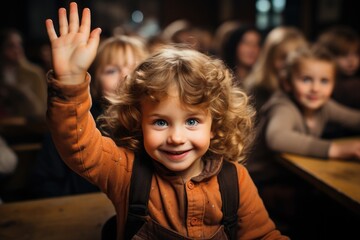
(192, 209)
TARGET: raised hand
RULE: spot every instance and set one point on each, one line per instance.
(75, 48)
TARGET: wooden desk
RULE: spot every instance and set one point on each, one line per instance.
(70, 218)
(339, 179)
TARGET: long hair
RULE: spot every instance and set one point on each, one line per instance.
(201, 81)
(264, 73)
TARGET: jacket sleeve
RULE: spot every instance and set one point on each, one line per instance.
(253, 219)
(78, 141)
(285, 132)
(347, 117)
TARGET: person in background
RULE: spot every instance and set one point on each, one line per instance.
(268, 72)
(241, 50)
(221, 35)
(44, 56)
(117, 56)
(293, 120)
(20, 77)
(344, 43)
(164, 113)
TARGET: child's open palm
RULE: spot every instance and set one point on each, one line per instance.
(75, 48)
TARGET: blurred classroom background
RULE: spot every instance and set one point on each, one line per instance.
(159, 21)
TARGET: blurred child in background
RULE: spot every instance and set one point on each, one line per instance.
(344, 43)
(268, 72)
(241, 50)
(292, 121)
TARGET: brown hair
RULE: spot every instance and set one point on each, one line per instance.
(201, 81)
(340, 40)
(316, 52)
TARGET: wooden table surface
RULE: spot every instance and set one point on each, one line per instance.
(338, 178)
(71, 218)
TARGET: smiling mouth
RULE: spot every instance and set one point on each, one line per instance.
(175, 152)
(313, 98)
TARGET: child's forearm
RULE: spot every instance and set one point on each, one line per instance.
(70, 122)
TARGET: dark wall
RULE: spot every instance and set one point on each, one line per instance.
(310, 16)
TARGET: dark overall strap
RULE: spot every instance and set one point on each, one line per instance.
(139, 194)
(140, 189)
(229, 189)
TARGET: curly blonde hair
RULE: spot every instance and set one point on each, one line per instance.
(201, 81)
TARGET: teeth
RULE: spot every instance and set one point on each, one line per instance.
(177, 153)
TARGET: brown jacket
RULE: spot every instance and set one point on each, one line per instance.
(191, 208)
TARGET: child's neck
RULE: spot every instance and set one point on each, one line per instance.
(310, 119)
(194, 170)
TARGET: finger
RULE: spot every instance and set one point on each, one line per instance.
(94, 38)
(85, 22)
(74, 18)
(50, 29)
(63, 23)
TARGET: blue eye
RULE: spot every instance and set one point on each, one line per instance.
(306, 79)
(160, 123)
(192, 122)
(325, 81)
(109, 71)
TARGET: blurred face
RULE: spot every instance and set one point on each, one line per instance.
(13, 49)
(312, 86)
(349, 64)
(280, 55)
(248, 49)
(176, 135)
(112, 74)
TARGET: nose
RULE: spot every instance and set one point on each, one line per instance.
(176, 135)
(315, 86)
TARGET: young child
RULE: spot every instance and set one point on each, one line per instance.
(116, 57)
(344, 43)
(268, 72)
(180, 107)
(292, 121)
(299, 112)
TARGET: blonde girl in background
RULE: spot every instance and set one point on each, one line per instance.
(268, 71)
(116, 58)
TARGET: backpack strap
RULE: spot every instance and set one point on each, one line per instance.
(139, 194)
(229, 189)
(138, 200)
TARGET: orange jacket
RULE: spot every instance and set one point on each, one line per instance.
(191, 208)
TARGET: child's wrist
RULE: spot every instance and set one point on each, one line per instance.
(71, 79)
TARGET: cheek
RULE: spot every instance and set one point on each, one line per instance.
(299, 92)
(202, 140)
(110, 82)
(329, 91)
(153, 139)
